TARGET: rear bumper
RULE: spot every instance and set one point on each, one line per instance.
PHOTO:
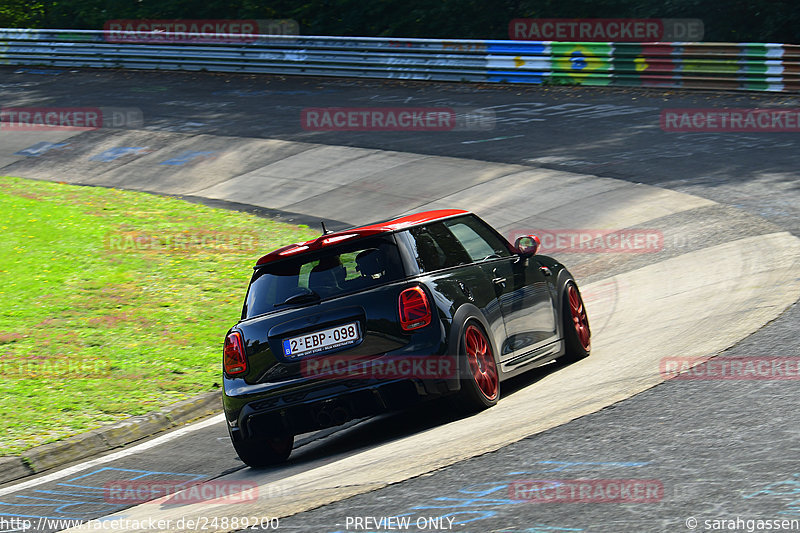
(318, 407)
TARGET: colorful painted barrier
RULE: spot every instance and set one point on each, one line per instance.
(721, 66)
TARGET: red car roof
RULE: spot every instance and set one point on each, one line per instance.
(363, 231)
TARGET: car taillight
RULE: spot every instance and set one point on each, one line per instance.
(415, 312)
(234, 359)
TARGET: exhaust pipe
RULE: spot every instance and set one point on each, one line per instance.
(340, 416)
(324, 418)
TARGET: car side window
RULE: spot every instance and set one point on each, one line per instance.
(477, 239)
(437, 248)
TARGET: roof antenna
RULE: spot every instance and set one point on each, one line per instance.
(324, 230)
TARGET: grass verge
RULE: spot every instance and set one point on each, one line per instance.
(114, 303)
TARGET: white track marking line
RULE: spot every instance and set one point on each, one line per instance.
(114, 456)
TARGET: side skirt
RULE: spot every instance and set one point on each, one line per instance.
(532, 359)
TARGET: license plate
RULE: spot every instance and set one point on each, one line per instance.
(318, 341)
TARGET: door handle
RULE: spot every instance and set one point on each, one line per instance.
(466, 291)
(497, 280)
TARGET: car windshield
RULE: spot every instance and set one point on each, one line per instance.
(327, 273)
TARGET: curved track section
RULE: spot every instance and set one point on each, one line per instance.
(711, 284)
(690, 299)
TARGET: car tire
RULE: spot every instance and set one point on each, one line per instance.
(480, 378)
(264, 452)
(577, 335)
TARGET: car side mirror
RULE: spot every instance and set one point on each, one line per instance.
(527, 245)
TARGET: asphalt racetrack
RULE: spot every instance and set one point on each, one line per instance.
(723, 282)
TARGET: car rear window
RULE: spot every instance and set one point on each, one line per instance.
(327, 273)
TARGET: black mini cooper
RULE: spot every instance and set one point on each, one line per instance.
(374, 318)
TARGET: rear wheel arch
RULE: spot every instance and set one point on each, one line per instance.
(470, 399)
(464, 314)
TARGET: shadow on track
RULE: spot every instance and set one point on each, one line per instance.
(339, 442)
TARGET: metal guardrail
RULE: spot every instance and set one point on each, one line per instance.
(726, 66)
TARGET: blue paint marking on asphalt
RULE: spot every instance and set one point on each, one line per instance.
(71, 493)
(483, 503)
(24, 497)
(113, 154)
(186, 157)
(38, 71)
(141, 474)
(468, 502)
(770, 489)
(39, 148)
(465, 517)
(495, 486)
(60, 502)
(60, 506)
(28, 516)
(788, 487)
